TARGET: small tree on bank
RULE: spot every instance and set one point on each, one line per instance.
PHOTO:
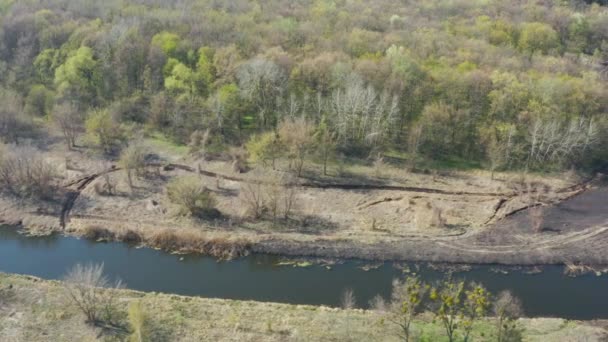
(408, 300)
(507, 309)
(90, 291)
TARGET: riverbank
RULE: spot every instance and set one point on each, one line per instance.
(359, 212)
(36, 310)
(576, 232)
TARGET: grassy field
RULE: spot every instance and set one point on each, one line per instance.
(37, 310)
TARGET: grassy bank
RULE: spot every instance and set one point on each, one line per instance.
(37, 310)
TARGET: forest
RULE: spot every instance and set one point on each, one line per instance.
(515, 85)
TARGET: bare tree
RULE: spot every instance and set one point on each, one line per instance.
(413, 146)
(132, 159)
(12, 117)
(360, 114)
(554, 141)
(252, 196)
(70, 122)
(297, 135)
(507, 309)
(91, 292)
(262, 82)
(348, 300)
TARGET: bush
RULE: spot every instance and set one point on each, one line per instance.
(25, 173)
(90, 291)
(191, 197)
(138, 322)
(105, 131)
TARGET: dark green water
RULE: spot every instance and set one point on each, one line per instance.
(256, 277)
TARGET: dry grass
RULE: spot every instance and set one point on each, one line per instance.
(180, 241)
(36, 311)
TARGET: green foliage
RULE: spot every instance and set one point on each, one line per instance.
(181, 81)
(538, 37)
(191, 197)
(450, 71)
(449, 298)
(408, 301)
(265, 148)
(104, 130)
(39, 101)
(167, 42)
(45, 65)
(79, 78)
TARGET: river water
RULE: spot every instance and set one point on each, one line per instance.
(258, 277)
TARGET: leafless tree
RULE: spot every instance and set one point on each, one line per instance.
(554, 141)
(132, 159)
(414, 142)
(262, 82)
(360, 113)
(297, 135)
(69, 121)
(252, 197)
(348, 300)
(91, 292)
(507, 309)
(12, 117)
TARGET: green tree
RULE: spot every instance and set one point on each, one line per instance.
(538, 37)
(166, 41)
(45, 65)
(449, 298)
(204, 73)
(181, 81)
(265, 147)
(79, 78)
(103, 129)
(476, 305)
(408, 300)
(39, 101)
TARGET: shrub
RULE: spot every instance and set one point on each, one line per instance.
(90, 291)
(191, 197)
(138, 322)
(25, 173)
(105, 131)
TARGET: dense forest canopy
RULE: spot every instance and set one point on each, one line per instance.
(509, 84)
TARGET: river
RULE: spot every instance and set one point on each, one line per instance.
(257, 277)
